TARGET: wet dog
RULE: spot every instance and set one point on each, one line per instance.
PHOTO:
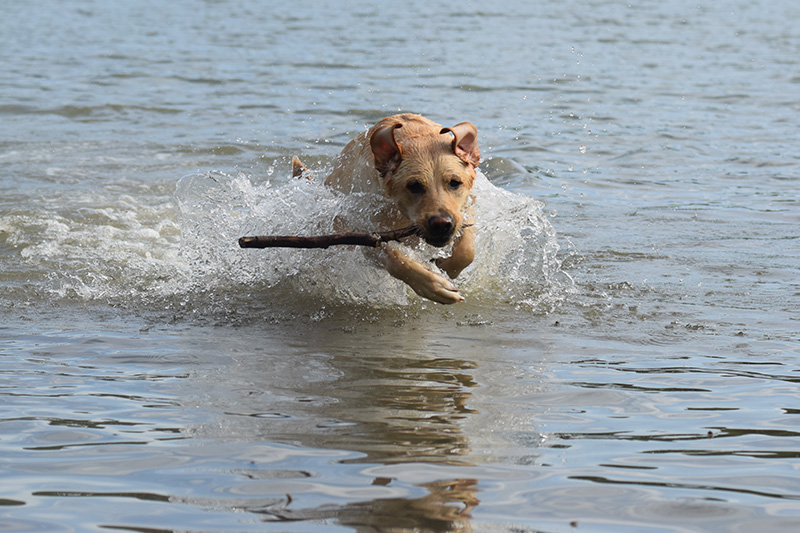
(427, 173)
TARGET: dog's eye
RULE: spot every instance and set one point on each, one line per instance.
(415, 187)
(454, 184)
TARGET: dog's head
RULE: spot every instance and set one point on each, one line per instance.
(429, 171)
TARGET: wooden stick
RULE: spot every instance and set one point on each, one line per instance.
(323, 241)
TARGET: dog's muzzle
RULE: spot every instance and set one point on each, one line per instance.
(439, 230)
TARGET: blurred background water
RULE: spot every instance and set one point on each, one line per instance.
(626, 359)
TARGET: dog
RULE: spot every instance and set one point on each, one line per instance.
(427, 173)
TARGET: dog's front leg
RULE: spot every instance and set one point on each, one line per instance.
(423, 281)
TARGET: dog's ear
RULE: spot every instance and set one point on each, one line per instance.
(385, 149)
(465, 142)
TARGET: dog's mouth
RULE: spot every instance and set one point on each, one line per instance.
(439, 231)
(443, 239)
(438, 241)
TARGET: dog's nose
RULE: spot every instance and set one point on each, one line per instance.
(440, 225)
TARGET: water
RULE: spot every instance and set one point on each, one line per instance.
(626, 359)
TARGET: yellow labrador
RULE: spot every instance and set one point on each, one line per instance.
(427, 171)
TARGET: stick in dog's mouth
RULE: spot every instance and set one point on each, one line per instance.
(335, 239)
(324, 241)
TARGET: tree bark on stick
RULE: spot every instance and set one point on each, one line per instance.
(324, 241)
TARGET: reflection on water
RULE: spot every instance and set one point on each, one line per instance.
(373, 396)
(388, 407)
(384, 395)
(446, 507)
(413, 419)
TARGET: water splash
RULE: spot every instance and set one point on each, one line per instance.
(179, 253)
(217, 209)
(517, 259)
(516, 246)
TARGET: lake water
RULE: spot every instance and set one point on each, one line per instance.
(627, 355)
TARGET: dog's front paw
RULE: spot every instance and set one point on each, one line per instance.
(437, 288)
(423, 281)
